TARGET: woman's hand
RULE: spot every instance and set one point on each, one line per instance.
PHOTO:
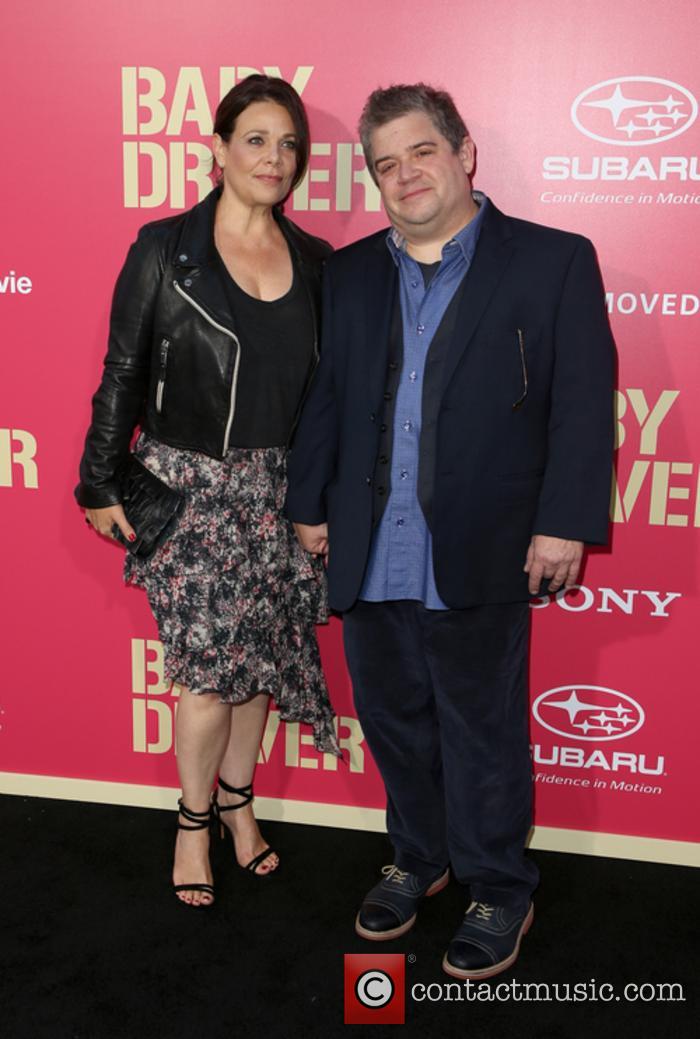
(104, 519)
(313, 539)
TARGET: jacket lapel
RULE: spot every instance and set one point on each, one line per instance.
(493, 253)
(196, 264)
(205, 286)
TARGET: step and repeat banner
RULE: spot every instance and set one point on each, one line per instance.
(585, 118)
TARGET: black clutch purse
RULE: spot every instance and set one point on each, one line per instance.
(150, 506)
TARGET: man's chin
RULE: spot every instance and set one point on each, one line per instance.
(416, 219)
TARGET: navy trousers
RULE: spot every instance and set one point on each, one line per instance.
(442, 699)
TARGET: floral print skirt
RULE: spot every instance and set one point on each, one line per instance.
(235, 597)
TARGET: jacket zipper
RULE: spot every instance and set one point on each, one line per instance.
(164, 347)
(234, 380)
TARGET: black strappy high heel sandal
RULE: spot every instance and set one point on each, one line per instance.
(246, 792)
(200, 821)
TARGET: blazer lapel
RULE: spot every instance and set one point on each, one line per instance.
(381, 287)
(493, 253)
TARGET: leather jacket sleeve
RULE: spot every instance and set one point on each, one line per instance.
(119, 401)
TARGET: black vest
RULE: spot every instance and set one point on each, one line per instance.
(430, 404)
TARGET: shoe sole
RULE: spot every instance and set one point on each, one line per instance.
(396, 932)
(495, 968)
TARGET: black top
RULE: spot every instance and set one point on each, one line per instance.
(276, 359)
(429, 270)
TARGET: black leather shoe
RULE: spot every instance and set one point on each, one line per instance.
(487, 941)
(389, 910)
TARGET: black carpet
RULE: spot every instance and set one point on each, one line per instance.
(95, 946)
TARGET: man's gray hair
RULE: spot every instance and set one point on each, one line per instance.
(383, 105)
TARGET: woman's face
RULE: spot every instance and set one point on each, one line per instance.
(260, 159)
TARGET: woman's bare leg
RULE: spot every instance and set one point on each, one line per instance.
(237, 767)
(202, 726)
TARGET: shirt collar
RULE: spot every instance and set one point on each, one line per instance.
(465, 239)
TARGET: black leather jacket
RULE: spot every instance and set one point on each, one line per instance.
(173, 357)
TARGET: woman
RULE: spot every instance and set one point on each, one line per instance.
(213, 340)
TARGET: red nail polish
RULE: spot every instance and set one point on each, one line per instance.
(132, 537)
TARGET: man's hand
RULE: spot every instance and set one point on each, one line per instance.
(555, 558)
(313, 539)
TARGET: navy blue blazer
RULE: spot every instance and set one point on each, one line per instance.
(524, 436)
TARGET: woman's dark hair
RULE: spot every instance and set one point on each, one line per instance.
(266, 88)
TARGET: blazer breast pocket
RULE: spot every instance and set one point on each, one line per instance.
(509, 359)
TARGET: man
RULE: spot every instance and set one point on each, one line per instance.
(453, 457)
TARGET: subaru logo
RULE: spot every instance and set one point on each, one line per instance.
(588, 712)
(634, 110)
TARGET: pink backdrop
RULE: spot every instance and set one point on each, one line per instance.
(584, 118)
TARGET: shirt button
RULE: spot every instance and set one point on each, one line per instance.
(404, 474)
(387, 396)
(408, 425)
(182, 257)
(414, 284)
(421, 330)
(382, 428)
(413, 376)
(400, 521)
(188, 282)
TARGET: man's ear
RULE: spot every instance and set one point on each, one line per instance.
(467, 155)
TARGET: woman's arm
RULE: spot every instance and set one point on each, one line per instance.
(118, 403)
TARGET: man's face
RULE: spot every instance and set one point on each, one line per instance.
(424, 184)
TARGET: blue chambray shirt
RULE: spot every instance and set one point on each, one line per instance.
(400, 564)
